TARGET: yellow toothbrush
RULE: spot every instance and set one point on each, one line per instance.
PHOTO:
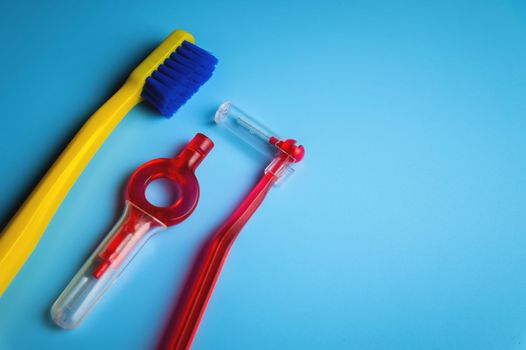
(167, 78)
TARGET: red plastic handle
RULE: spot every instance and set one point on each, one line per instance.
(180, 172)
(185, 321)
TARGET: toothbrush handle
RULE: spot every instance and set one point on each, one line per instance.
(184, 324)
(22, 233)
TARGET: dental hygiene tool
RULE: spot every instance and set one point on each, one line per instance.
(139, 222)
(167, 78)
(285, 152)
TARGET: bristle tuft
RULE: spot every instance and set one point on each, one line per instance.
(178, 78)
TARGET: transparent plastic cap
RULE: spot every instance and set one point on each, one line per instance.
(246, 128)
(255, 134)
(100, 271)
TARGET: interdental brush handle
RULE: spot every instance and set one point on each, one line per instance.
(183, 326)
(141, 219)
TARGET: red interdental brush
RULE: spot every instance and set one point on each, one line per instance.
(184, 323)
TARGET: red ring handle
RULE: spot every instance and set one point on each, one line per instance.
(187, 190)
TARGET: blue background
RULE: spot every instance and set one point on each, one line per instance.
(404, 228)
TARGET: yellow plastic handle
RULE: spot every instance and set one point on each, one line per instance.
(23, 232)
(25, 229)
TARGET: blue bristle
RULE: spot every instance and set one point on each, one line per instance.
(178, 78)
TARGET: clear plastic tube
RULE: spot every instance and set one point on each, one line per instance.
(246, 128)
(103, 267)
(259, 137)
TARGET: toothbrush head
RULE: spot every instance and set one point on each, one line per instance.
(178, 78)
(173, 72)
